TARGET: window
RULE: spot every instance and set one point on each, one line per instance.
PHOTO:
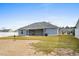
(21, 31)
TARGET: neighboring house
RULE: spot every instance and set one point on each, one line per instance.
(67, 31)
(77, 29)
(5, 30)
(39, 29)
(5, 34)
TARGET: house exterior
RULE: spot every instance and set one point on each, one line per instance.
(39, 29)
(5, 30)
(67, 31)
(6, 34)
(77, 30)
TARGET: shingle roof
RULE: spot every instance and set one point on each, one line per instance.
(39, 25)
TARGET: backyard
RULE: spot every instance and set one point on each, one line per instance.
(39, 45)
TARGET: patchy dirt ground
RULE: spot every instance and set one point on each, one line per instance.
(17, 48)
(24, 48)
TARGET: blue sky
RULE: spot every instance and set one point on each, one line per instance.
(18, 15)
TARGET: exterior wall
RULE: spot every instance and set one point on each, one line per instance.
(77, 26)
(51, 31)
(77, 32)
(25, 32)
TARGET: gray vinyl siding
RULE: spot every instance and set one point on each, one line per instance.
(77, 26)
(77, 32)
(25, 32)
(49, 31)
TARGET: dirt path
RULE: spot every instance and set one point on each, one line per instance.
(17, 48)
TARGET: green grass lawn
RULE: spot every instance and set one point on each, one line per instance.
(47, 44)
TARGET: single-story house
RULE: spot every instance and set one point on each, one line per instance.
(39, 29)
(77, 29)
(5, 30)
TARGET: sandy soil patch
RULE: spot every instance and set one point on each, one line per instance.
(17, 48)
